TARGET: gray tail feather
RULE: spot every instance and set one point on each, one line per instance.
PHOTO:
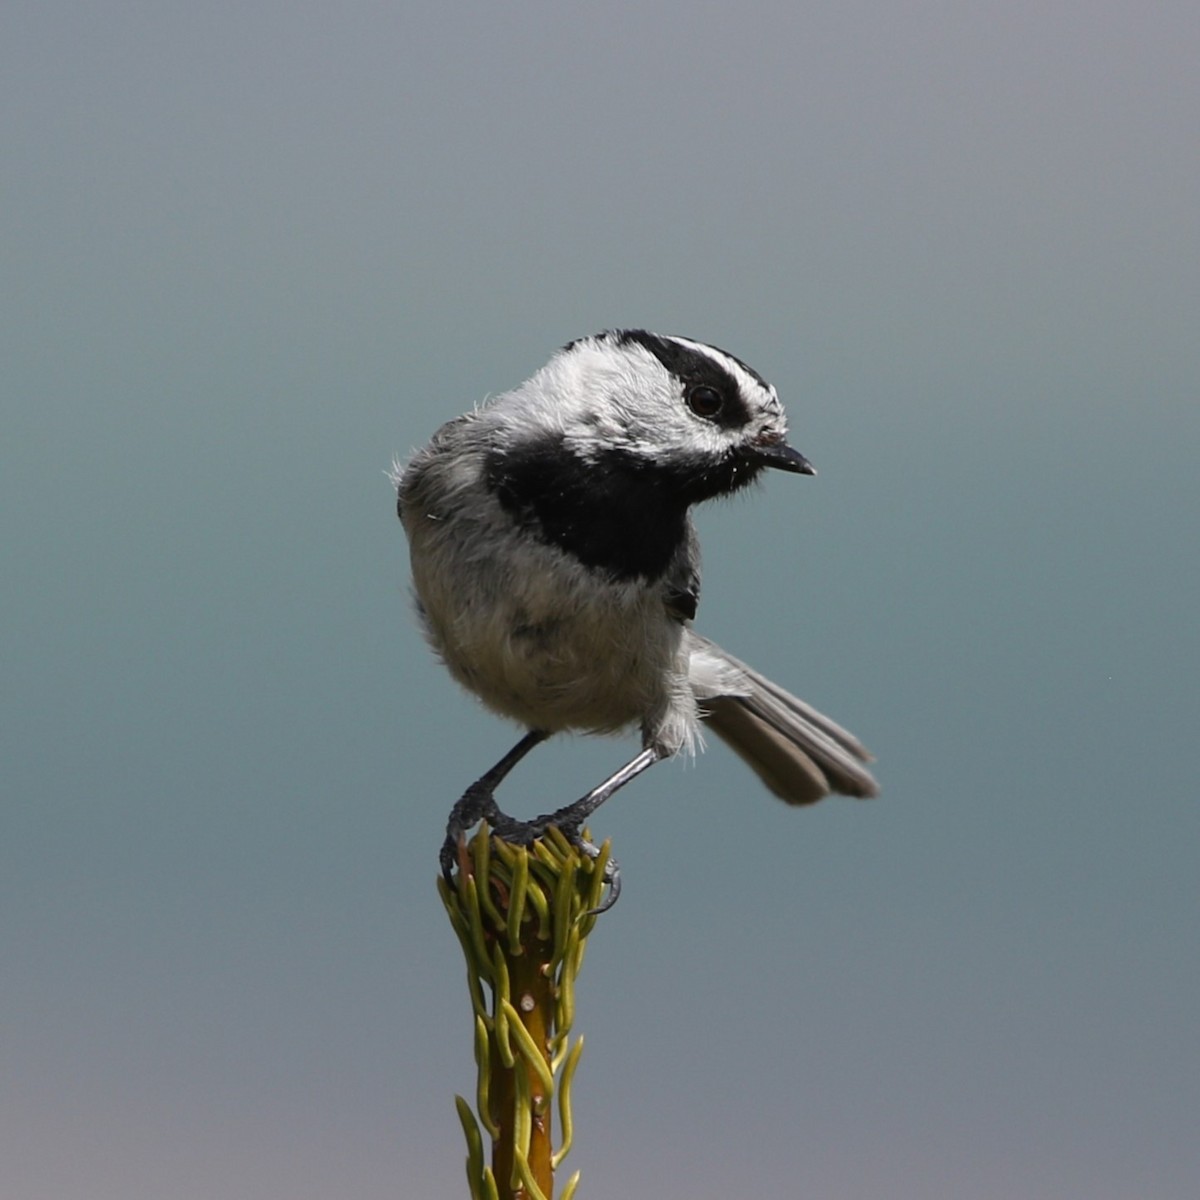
(800, 754)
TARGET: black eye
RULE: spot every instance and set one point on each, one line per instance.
(705, 401)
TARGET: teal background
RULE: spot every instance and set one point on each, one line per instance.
(252, 250)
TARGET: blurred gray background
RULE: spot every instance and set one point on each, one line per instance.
(250, 251)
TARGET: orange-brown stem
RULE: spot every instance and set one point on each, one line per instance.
(533, 997)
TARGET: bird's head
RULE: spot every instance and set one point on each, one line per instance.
(682, 410)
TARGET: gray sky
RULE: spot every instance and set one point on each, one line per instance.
(251, 251)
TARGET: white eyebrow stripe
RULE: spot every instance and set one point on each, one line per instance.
(749, 385)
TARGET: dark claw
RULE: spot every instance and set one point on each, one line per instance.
(448, 857)
(612, 875)
(476, 802)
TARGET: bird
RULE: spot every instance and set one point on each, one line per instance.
(556, 569)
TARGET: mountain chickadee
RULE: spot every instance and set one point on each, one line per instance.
(557, 571)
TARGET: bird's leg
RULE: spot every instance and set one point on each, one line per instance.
(570, 818)
(477, 801)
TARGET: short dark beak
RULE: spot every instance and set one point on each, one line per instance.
(783, 458)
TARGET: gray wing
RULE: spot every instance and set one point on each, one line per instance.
(798, 752)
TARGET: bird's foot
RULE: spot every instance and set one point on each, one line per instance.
(478, 801)
(468, 810)
(478, 804)
(569, 822)
(612, 877)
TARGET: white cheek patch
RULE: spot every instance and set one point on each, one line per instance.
(597, 396)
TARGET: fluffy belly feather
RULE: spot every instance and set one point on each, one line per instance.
(546, 641)
(553, 667)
